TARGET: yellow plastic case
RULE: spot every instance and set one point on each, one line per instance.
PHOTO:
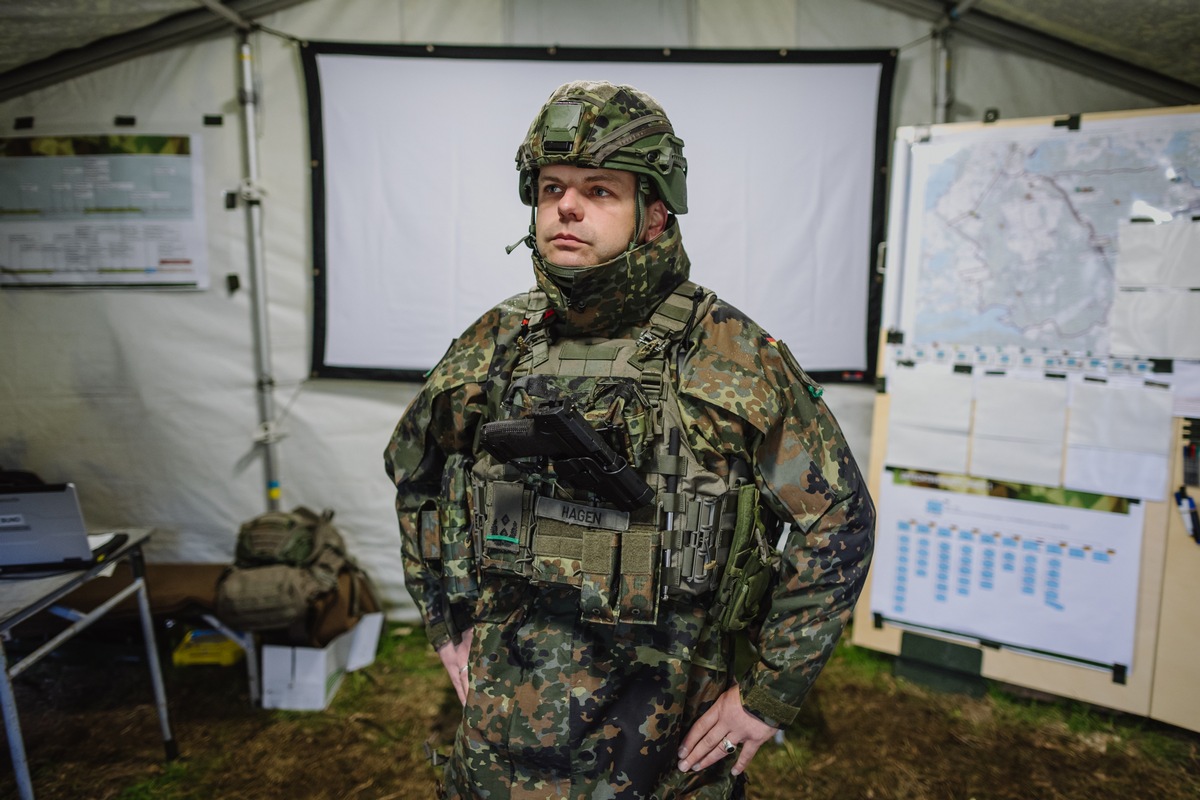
(203, 646)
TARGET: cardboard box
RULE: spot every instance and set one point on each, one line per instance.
(307, 678)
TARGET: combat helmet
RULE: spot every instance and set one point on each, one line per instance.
(599, 124)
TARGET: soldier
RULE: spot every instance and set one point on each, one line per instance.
(591, 485)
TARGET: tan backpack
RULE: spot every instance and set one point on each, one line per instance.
(291, 573)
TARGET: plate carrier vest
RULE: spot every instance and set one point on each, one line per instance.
(527, 526)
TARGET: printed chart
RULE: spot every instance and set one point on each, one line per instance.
(111, 210)
(1043, 569)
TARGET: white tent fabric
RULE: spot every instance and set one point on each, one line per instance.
(146, 399)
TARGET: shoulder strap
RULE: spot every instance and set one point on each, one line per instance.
(668, 328)
(530, 347)
(533, 343)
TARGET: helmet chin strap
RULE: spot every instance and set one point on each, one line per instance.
(639, 212)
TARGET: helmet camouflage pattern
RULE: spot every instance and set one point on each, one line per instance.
(599, 124)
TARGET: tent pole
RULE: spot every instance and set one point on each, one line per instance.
(252, 196)
(941, 76)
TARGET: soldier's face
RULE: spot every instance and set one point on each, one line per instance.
(585, 216)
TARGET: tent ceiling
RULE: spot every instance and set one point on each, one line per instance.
(47, 41)
(33, 31)
(1158, 35)
(1147, 46)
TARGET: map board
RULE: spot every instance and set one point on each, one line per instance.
(1030, 365)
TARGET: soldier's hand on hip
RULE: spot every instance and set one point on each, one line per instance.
(454, 659)
(719, 733)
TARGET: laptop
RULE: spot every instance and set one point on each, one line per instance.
(42, 531)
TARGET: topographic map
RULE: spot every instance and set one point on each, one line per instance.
(1014, 232)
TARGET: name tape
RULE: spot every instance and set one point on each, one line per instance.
(609, 519)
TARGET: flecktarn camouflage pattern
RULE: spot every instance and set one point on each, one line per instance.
(569, 695)
(597, 124)
(564, 709)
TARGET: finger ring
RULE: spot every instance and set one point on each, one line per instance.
(728, 746)
(463, 668)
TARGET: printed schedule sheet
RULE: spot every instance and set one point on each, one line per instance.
(1045, 569)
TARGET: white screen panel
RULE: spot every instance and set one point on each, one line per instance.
(416, 162)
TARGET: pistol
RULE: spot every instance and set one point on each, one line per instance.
(556, 431)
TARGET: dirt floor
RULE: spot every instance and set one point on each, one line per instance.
(91, 732)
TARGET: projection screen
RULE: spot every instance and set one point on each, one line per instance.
(414, 190)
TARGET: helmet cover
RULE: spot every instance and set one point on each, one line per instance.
(599, 124)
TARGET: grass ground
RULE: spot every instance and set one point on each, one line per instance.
(91, 732)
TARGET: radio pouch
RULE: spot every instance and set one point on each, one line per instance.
(750, 570)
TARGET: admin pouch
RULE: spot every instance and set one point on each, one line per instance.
(293, 581)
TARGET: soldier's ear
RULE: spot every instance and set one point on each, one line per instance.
(656, 220)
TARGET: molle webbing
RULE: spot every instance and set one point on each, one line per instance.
(613, 570)
(581, 360)
(545, 540)
(578, 358)
(611, 558)
(663, 463)
(593, 549)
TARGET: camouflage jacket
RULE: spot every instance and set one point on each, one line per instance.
(742, 396)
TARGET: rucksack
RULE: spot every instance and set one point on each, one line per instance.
(290, 574)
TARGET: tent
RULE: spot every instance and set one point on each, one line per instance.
(148, 399)
(1145, 49)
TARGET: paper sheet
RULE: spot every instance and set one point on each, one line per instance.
(927, 448)
(1048, 570)
(1155, 323)
(1028, 409)
(1118, 440)
(1017, 433)
(1165, 255)
(1185, 385)
(930, 418)
(1039, 463)
(1120, 417)
(1120, 472)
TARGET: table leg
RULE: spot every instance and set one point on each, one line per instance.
(160, 693)
(12, 725)
(246, 641)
